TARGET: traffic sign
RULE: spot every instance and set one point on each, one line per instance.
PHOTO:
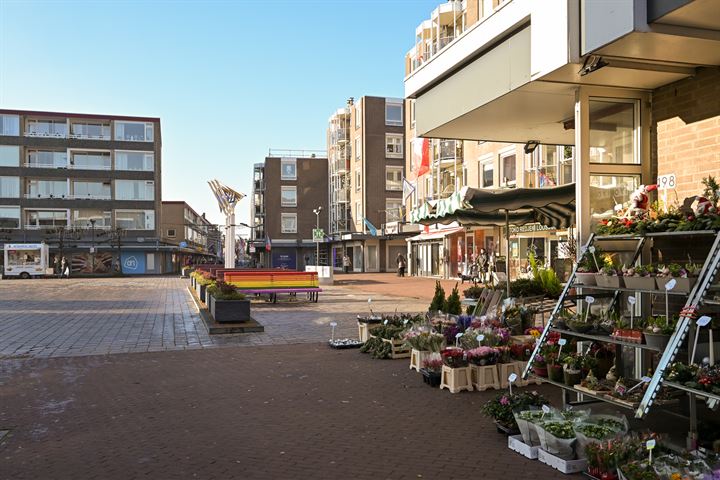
(318, 234)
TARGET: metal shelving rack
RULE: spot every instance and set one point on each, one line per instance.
(695, 299)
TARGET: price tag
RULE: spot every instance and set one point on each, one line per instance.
(405, 321)
(650, 444)
(458, 335)
(703, 321)
(590, 299)
(333, 324)
(671, 284)
(645, 379)
(632, 300)
(512, 377)
(385, 322)
(545, 409)
(592, 249)
(665, 182)
(480, 338)
(562, 342)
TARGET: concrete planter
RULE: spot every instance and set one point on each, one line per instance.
(681, 284)
(640, 283)
(229, 311)
(608, 281)
(200, 289)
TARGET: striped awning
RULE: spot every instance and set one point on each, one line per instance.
(553, 207)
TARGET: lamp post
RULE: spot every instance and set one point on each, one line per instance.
(317, 211)
(92, 240)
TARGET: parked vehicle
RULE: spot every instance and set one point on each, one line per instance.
(26, 260)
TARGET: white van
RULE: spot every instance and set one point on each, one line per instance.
(26, 260)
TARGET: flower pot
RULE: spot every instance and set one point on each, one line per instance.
(681, 284)
(555, 373)
(540, 371)
(430, 377)
(224, 311)
(640, 283)
(572, 377)
(609, 281)
(657, 340)
(585, 278)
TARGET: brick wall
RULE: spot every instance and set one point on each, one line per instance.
(686, 130)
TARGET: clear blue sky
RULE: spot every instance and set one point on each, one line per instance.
(229, 79)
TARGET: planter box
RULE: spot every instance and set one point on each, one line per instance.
(399, 350)
(565, 466)
(200, 289)
(608, 281)
(364, 330)
(484, 377)
(682, 284)
(456, 379)
(656, 340)
(515, 443)
(585, 278)
(225, 311)
(431, 378)
(417, 357)
(640, 283)
(505, 369)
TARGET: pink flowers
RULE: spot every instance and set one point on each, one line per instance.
(504, 400)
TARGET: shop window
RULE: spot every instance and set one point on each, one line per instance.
(606, 191)
(613, 127)
(509, 172)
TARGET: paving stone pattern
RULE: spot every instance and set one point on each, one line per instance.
(75, 317)
(269, 412)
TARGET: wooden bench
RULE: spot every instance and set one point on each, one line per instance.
(274, 282)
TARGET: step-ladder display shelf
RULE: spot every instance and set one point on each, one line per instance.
(568, 388)
(699, 393)
(605, 339)
(693, 300)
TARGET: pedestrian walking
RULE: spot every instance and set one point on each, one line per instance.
(400, 260)
(346, 263)
(65, 268)
(482, 264)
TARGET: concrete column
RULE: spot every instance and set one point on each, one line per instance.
(582, 165)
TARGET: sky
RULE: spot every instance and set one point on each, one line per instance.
(228, 79)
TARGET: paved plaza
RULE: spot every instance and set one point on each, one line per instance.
(118, 378)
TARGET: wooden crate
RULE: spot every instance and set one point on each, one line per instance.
(505, 369)
(364, 330)
(484, 377)
(399, 350)
(456, 379)
(417, 357)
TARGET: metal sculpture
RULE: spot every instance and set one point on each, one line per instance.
(227, 200)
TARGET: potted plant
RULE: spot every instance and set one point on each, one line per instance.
(640, 277)
(587, 268)
(502, 407)
(431, 370)
(540, 365)
(554, 368)
(658, 331)
(438, 300)
(202, 281)
(685, 276)
(558, 438)
(482, 356)
(609, 276)
(226, 304)
(454, 357)
(572, 370)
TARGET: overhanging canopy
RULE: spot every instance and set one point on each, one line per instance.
(553, 207)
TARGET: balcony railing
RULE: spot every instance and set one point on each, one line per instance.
(46, 134)
(259, 186)
(44, 165)
(47, 195)
(79, 136)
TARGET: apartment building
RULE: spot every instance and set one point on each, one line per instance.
(196, 238)
(366, 150)
(289, 200)
(88, 185)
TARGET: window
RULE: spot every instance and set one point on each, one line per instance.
(393, 178)
(612, 132)
(47, 189)
(393, 114)
(358, 116)
(135, 161)
(135, 219)
(92, 190)
(10, 125)
(94, 130)
(412, 113)
(393, 146)
(486, 173)
(608, 190)
(90, 160)
(358, 179)
(508, 169)
(46, 159)
(46, 128)
(288, 196)
(9, 217)
(46, 218)
(358, 148)
(289, 222)
(83, 218)
(393, 209)
(9, 156)
(134, 131)
(134, 190)
(9, 187)
(171, 232)
(358, 212)
(288, 169)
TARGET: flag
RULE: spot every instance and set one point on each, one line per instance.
(408, 189)
(421, 156)
(268, 245)
(371, 227)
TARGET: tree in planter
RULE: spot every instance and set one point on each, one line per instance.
(452, 304)
(438, 301)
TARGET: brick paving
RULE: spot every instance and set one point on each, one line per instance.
(281, 412)
(390, 284)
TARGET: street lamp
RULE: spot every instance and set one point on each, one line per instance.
(317, 211)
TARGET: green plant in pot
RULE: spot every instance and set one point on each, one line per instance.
(572, 369)
(554, 368)
(658, 331)
(438, 300)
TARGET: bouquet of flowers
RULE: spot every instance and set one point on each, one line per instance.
(482, 356)
(454, 357)
(432, 364)
(502, 406)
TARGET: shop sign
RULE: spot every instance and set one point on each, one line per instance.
(529, 228)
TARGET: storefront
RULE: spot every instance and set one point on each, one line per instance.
(434, 253)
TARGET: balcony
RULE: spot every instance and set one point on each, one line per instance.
(41, 196)
(259, 186)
